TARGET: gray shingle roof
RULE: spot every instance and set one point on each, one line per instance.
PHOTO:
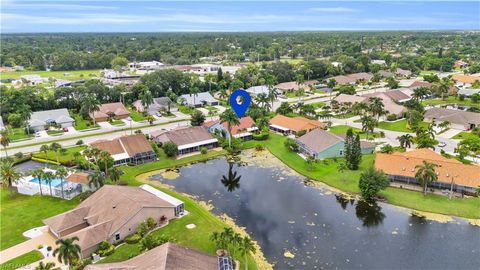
(58, 116)
(200, 98)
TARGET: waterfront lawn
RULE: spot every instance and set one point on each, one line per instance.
(466, 135)
(136, 116)
(65, 158)
(450, 100)
(342, 130)
(23, 260)
(19, 134)
(400, 125)
(20, 213)
(82, 124)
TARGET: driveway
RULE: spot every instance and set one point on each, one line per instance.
(449, 133)
(45, 239)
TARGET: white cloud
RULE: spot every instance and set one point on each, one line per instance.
(333, 9)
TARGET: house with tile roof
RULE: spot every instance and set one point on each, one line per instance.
(40, 120)
(462, 80)
(243, 131)
(169, 256)
(322, 144)
(451, 173)
(108, 111)
(389, 105)
(187, 139)
(293, 125)
(461, 120)
(112, 213)
(127, 149)
(294, 86)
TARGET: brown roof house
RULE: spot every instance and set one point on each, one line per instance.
(322, 144)
(127, 149)
(461, 120)
(113, 213)
(242, 131)
(389, 105)
(187, 139)
(293, 125)
(110, 110)
(465, 80)
(294, 86)
(168, 256)
(353, 78)
(401, 167)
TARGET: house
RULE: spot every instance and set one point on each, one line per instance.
(187, 139)
(400, 95)
(460, 64)
(322, 144)
(465, 80)
(169, 256)
(401, 167)
(468, 92)
(159, 104)
(33, 80)
(351, 99)
(257, 90)
(353, 78)
(385, 74)
(198, 100)
(418, 84)
(341, 79)
(40, 120)
(389, 104)
(148, 65)
(112, 213)
(460, 120)
(110, 110)
(62, 83)
(403, 73)
(242, 131)
(127, 149)
(293, 125)
(294, 86)
(379, 62)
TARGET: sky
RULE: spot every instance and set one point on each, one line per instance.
(37, 16)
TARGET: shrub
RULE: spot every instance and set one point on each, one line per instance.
(142, 229)
(85, 195)
(138, 131)
(371, 182)
(40, 246)
(392, 117)
(151, 223)
(291, 145)
(259, 147)
(49, 248)
(133, 239)
(170, 149)
(155, 148)
(79, 142)
(105, 249)
(301, 133)
(261, 136)
(19, 155)
(122, 183)
(203, 150)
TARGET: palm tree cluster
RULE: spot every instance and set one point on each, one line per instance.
(230, 240)
(103, 167)
(8, 173)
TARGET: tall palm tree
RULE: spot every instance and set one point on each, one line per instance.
(61, 173)
(104, 158)
(245, 248)
(232, 181)
(48, 177)
(146, 99)
(55, 147)
(44, 149)
(272, 92)
(114, 174)
(97, 179)
(8, 173)
(420, 93)
(45, 266)
(4, 140)
(38, 173)
(368, 124)
(194, 92)
(376, 106)
(263, 101)
(441, 87)
(426, 174)
(222, 93)
(90, 104)
(405, 140)
(68, 251)
(231, 118)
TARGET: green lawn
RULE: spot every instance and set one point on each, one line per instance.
(68, 156)
(348, 181)
(83, 124)
(186, 109)
(344, 115)
(21, 213)
(318, 105)
(342, 129)
(55, 132)
(23, 260)
(116, 123)
(71, 75)
(400, 125)
(136, 116)
(451, 100)
(466, 135)
(19, 134)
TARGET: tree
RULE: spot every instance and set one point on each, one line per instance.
(8, 173)
(291, 144)
(368, 124)
(45, 266)
(405, 140)
(376, 106)
(420, 93)
(55, 147)
(246, 247)
(4, 140)
(263, 101)
(371, 182)
(392, 83)
(272, 92)
(90, 104)
(426, 174)
(61, 173)
(68, 251)
(170, 149)
(197, 118)
(441, 88)
(194, 92)
(146, 99)
(284, 108)
(331, 83)
(118, 63)
(231, 119)
(114, 174)
(150, 119)
(232, 181)
(97, 179)
(414, 118)
(38, 174)
(48, 176)
(310, 161)
(352, 150)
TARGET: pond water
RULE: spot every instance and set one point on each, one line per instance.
(320, 228)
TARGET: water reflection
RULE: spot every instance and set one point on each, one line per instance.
(369, 213)
(344, 201)
(231, 181)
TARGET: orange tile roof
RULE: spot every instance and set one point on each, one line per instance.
(403, 164)
(296, 123)
(465, 78)
(245, 122)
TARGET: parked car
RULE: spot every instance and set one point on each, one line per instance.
(442, 144)
(65, 129)
(37, 134)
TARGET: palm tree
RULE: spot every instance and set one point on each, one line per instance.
(61, 173)
(150, 119)
(44, 149)
(104, 158)
(38, 174)
(8, 173)
(272, 92)
(376, 106)
(444, 125)
(97, 179)
(68, 251)
(114, 174)
(194, 91)
(47, 266)
(88, 154)
(146, 99)
(231, 118)
(222, 93)
(76, 156)
(245, 248)
(90, 105)
(405, 140)
(48, 177)
(368, 124)
(426, 174)
(420, 93)
(4, 140)
(263, 101)
(55, 147)
(300, 92)
(442, 87)
(232, 181)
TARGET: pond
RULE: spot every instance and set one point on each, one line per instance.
(320, 228)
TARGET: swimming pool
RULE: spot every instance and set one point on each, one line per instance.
(56, 182)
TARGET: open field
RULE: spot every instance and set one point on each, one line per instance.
(71, 75)
(65, 158)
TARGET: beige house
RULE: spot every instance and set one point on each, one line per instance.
(113, 213)
(110, 110)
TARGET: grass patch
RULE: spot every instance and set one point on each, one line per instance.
(116, 123)
(20, 213)
(136, 116)
(400, 125)
(318, 105)
(342, 129)
(55, 132)
(83, 124)
(186, 109)
(344, 115)
(450, 100)
(65, 158)
(71, 75)
(466, 135)
(23, 260)
(18, 134)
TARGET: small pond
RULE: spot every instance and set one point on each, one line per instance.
(320, 228)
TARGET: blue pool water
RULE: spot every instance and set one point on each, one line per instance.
(55, 182)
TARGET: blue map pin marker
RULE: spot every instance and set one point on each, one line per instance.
(240, 108)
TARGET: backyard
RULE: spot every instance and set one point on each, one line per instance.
(451, 100)
(342, 130)
(83, 124)
(136, 116)
(23, 260)
(65, 158)
(19, 134)
(400, 125)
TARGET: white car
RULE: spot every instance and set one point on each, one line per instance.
(442, 144)
(37, 134)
